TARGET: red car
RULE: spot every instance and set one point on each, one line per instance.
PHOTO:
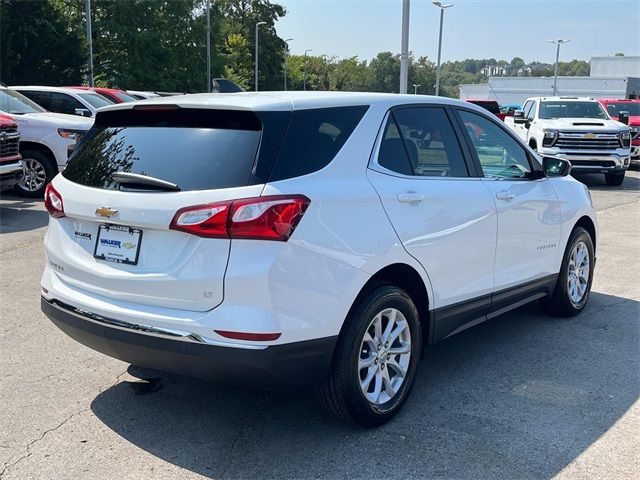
(616, 105)
(491, 106)
(11, 168)
(113, 94)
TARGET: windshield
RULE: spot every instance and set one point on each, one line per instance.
(16, 103)
(571, 109)
(633, 108)
(95, 100)
(125, 97)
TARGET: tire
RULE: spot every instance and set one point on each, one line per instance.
(614, 179)
(342, 394)
(39, 171)
(565, 301)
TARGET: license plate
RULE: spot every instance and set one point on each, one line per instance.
(119, 244)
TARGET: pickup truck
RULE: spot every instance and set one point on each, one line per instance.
(490, 106)
(632, 107)
(11, 168)
(576, 129)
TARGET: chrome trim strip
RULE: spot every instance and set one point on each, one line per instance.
(11, 168)
(173, 334)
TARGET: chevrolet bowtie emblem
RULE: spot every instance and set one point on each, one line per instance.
(590, 135)
(106, 212)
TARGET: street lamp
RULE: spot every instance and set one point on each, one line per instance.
(415, 88)
(304, 83)
(555, 75)
(87, 12)
(257, 25)
(209, 47)
(286, 56)
(442, 7)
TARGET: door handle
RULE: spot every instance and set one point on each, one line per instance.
(410, 197)
(504, 195)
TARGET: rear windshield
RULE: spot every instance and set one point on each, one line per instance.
(571, 109)
(198, 152)
(488, 105)
(210, 149)
(125, 97)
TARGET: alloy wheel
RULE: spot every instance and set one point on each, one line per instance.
(385, 354)
(578, 273)
(35, 175)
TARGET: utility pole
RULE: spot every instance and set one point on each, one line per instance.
(257, 26)
(404, 52)
(555, 75)
(304, 82)
(286, 58)
(209, 86)
(87, 7)
(442, 7)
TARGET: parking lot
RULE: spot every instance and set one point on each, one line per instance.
(522, 396)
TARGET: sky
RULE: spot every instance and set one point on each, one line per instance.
(500, 29)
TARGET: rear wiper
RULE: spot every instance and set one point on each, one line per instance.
(135, 179)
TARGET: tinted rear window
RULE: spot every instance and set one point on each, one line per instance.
(195, 150)
(313, 139)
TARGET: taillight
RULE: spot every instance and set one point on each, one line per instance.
(262, 218)
(53, 202)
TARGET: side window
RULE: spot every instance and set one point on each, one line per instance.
(41, 98)
(313, 138)
(501, 156)
(392, 154)
(63, 103)
(526, 107)
(531, 114)
(430, 142)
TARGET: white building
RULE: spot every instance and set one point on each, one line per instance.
(610, 77)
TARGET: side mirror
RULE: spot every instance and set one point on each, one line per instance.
(623, 117)
(83, 112)
(555, 167)
(518, 117)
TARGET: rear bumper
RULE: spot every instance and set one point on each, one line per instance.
(271, 367)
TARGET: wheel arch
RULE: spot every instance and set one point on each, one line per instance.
(406, 277)
(586, 223)
(26, 145)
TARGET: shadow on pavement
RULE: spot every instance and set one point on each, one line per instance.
(19, 214)
(520, 396)
(597, 182)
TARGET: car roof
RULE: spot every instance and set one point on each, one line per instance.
(296, 100)
(44, 88)
(617, 100)
(566, 99)
(97, 89)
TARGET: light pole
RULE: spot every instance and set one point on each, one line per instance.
(257, 26)
(87, 12)
(304, 83)
(442, 7)
(404, 49)
(286, 57)
(415, 88)
(555, 75)
(208, 46)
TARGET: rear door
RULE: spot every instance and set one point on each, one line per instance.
(115, 237)
(442, 213)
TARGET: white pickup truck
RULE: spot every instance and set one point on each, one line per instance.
(577, 130)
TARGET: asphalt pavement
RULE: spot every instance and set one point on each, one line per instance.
(522, 396)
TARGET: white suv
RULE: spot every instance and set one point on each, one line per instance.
(291, 239)
(65, 100)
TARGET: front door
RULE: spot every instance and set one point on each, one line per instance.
(529, 221)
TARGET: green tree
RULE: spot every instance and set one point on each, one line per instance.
(237, 55)
(39, 45)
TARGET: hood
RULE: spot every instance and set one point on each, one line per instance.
(54, 120)
(581, 124)
(6, 121)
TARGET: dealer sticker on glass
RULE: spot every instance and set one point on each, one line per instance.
(117, 243)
